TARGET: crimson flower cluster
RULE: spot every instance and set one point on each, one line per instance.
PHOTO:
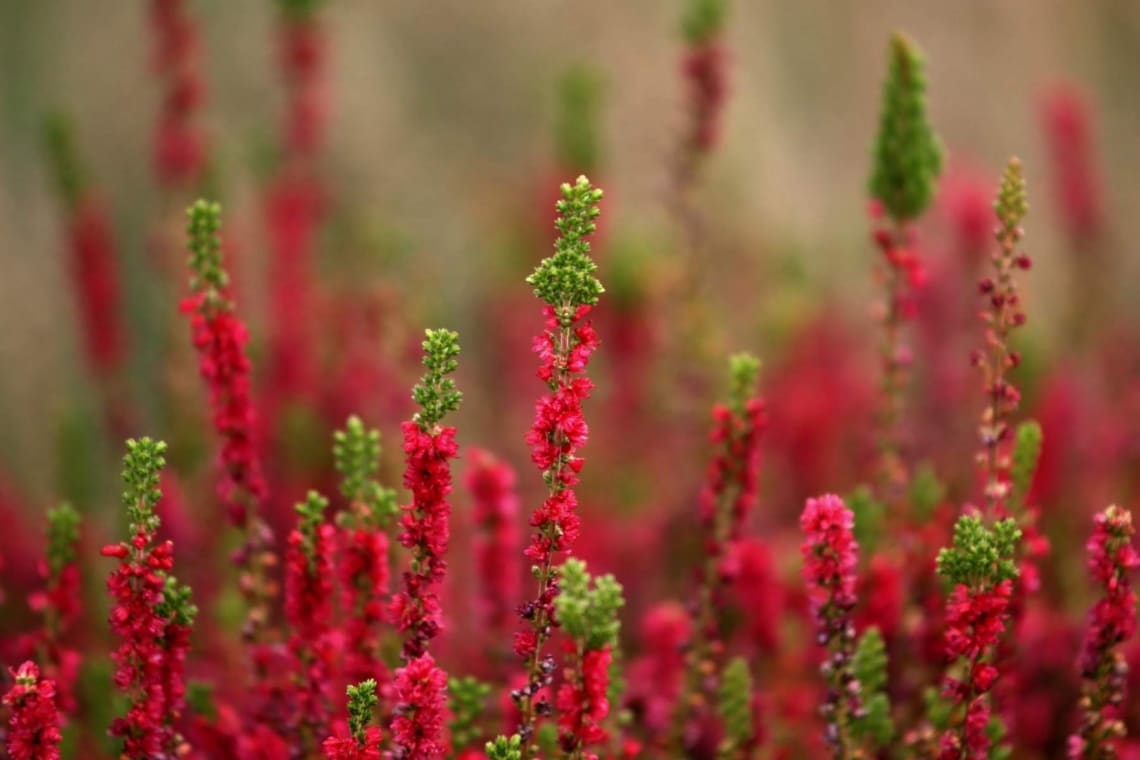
(34, 726)
(1103, 668)
(830, 555)
(426, 532)
(492, 485)
(1070, 131)
(308, 609)
(363, 572)
(179, 145)
(583, 703)
(417, 728)
(151, 615)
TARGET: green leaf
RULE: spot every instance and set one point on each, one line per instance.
(734, 706)
(1026, 454)
(869, 665)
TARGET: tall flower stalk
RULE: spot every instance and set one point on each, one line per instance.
(220, 338)
(429, 448)
(1003, 315)
(362, 564)
(830, 556)
(907, 159)
(152, 615)
(565, 282)
(1112, 622)
(492, 486)
(179, 143)
(727, 497)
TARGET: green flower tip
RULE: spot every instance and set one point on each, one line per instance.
(142, 469)
(63, 537)
(356, 452)
(299, 9)
(587, 608)
(980, 555)
(176, 605)
(204, 220)
(744, 373)
(310, 515)
(576, 129)
(466, 700)
(907, 153)
(503, 748)
(361, 701)
(703, 20)
(59, 141)
(1011, 204)
(869, 665)
(436, 393)
(735, 706)
(566, 279)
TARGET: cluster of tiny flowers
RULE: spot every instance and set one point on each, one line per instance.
(179, 147)
(830, 555)
(308, 610)
(34, 726)
(220, 338)
(1103, 669)
(348, 748)
(492, 486)
(975, 621)
(1001, 318)
(734, 470)
(137, 587)
(560, 429)
(363, 572)
(417, 727)
(583, 704)
(427, 475)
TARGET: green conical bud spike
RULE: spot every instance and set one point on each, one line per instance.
(436, 393)
(361, 702)
(703, 20)
(142, 469)
(907, 153)
(505, 749)
(735, 707)
(1011, 204)
(204, 220)
(566, 279)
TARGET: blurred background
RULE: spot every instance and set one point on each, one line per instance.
(445, 136)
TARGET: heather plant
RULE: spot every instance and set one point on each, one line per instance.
(372, 610)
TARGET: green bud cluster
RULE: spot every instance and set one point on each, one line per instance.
(467, 698)
(204, 220)
(361, 702)
(703, 20)
(566, 279)
(436, 393)
(142, 469)
(1011, 204)
(907, 153)
(980, 555)
(310, 515)
(587, 608)
(744, 371)
(734, 706)
(869, 665)
(503, 748)
(63, 537)
(356, 452)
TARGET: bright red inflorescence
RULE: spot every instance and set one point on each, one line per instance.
(1069, 128)
(583, 705)
(221, 338)
(179, 145)
(975, 621)
(735, 468)
(60, 604)
(558, 432)
(303, 57)
(417, 728)
(492, 485)
(426, 532)
(308, 609)
(1103, 668)
(34, 726)
(347, 748)
(363, 572)
(149, 656)
(657, 676)
(96, 285)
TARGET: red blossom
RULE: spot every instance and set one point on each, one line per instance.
(347, 748)
(179, 145)
(417, 728)
(34, 725)
(583, 705)
(492, 485)
(426, 531)
(363, 573)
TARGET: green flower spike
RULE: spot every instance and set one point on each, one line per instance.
(436, 393)
(566, 279)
